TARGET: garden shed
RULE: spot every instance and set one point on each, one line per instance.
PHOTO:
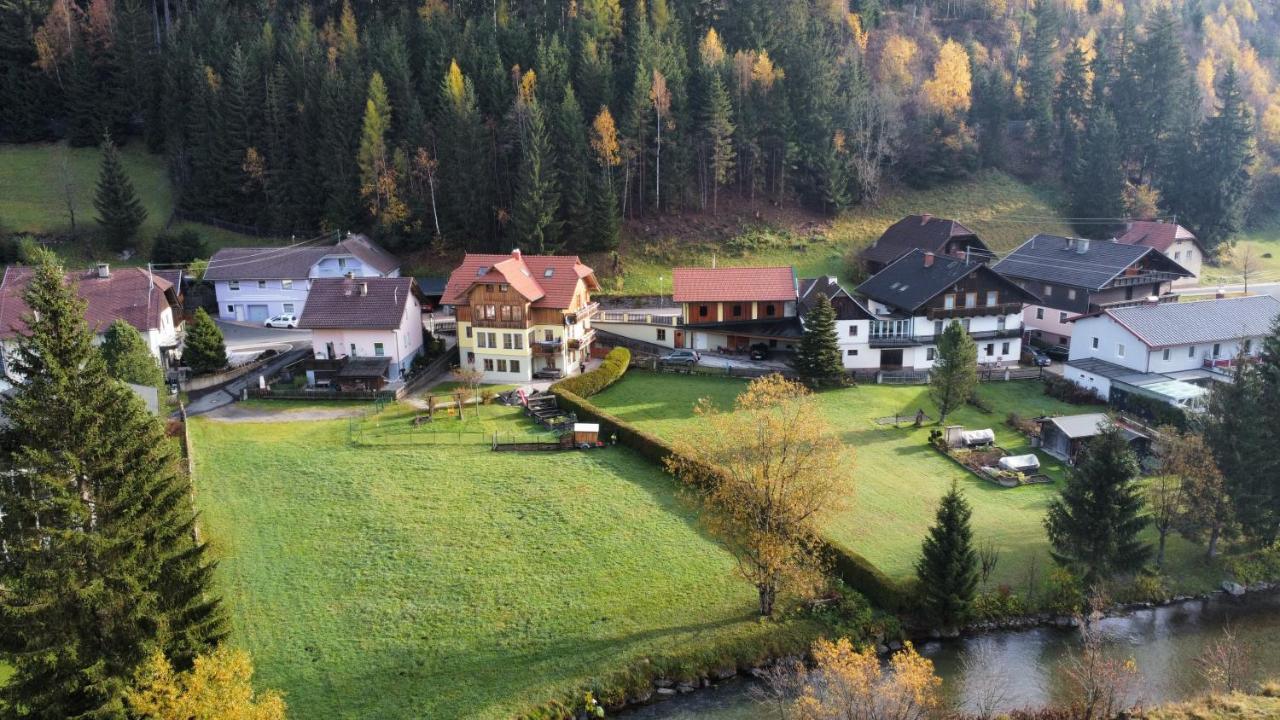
(1064, 436)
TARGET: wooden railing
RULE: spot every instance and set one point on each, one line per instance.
(971, 312)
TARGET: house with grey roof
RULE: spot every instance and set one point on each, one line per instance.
(372, 324)
(940, 236)
(1167, 351)
(1074, 276)
(255, 283)
(913, 299)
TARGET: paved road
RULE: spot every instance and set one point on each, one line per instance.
(247, 337)
(229, 393)
(1269, 288)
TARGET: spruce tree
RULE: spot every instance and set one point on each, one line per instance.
(120, 213)
(1226, 156)
(718, 131)
(127, 357)
(948, 565)
(1238, 429)
(955, 371)
(204, 350)
(536, 202)
(1097, 185)
(573, 169)
(818, 358)
(1041, 72)
(1093, 526)
(604, 225)
(100, 569)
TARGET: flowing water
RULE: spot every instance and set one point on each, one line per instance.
(1025, 667)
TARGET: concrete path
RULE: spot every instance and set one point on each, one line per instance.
(225, 395)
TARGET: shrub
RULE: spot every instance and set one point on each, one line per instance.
(1023, 425)
(1146, 587)
(998, 604)
(178, 248)
(1062, 593)
(976, 400)
(1257, 566)
(1152, 410)
(858, 573)
(590, 383)
(1060, 388)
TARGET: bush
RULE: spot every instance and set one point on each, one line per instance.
(1021, 424)
(590, 383)
(1060, 388)
(1146, 587)
(1258, 566)
(999, 604)
(1062, 593)
(178, 248)
(858, 573)
(976, 400)
(1152, 410)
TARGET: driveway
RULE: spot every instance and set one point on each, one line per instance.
(230, 392)
(244, 338)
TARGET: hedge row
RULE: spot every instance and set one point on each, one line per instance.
(590, 383)
(856, 571)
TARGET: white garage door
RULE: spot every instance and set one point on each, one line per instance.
(258, 313)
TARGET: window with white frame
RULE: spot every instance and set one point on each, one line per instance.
(481, 340)
(1071, 293)
(1165, 355)
(502, 365)
(1217, 350)
(286, 284)
(488, 364)
(930, 354)
(993, 297)
(1062, 317)
(1119, 349)
(1191, 351)
(1039, 313)
(262, 284)
(851, 353)
(1095, 343)
(949, 301)
(233, 284)
(662, 334)
(288, 308)
(378, 350)
(515, 366)
(507, 342)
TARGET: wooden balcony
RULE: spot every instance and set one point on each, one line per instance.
(501, 324)
(586, 339)
(972, 312)
(1144, 278)
(586, 312)
(547, 348)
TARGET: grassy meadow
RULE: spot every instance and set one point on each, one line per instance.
(413, 581)
(895, 478)
(1001, 209)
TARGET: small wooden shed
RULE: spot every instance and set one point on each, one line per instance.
(586, 434)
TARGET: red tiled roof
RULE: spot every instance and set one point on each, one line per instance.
(526, 274)
(1154, 234)
(338, 303)
(129, 294)
(733, 284)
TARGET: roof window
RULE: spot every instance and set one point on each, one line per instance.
(480, 271)
(548, 272)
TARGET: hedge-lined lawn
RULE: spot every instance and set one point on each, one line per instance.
(1001, 209)
(414, 582)
(896, 477)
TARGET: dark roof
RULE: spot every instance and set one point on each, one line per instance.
(1201, 321)
(364, 367)
(923, 232)
(787, 327)
(338, 303)
(733, 284)
(908, 284)
(1102, 368)
(264, 263)
(1154, 234)
(130, 294)
(294, 262)
(368, 253)
(546, 281)
(846, 304)
(1059, 260)
(432, 285)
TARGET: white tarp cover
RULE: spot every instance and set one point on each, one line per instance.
(979, 437)
(1020, 463)
(586, 427)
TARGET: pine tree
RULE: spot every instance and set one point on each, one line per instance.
(1041, 72)
(127, 357)
(204, 350)
(100, 569)
(1072, 108)
(818, 358)
(573, 168)
(119, 211)
(536, 203)
(465, 178)
(1097, 188)
(955, 371)
(1162, 81)
(1224, 167)
(718, 129)
(1093, 526)
(948, 566)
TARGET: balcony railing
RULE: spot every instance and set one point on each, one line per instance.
(502, 324)
(586, 312)
(579, 342)
(547, 347)
(1166, 298)
(642, 318)
(1143, 278)
(971, 312)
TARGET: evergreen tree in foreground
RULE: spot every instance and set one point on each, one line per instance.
(955, 372)
(204, 350)
(1093, 526)
(127, 357)
(818, 358)
(120, 213)
(100, 570)
(948, 566)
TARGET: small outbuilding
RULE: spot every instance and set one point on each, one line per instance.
(1065, 435)
(586, 434)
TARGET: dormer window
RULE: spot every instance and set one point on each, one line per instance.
(480, 271)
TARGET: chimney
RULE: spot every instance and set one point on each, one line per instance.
(364, 289)
(1082, 246)
(104, 270)
(350, 275)
(928, 259)
(925, 218)
(516, 253)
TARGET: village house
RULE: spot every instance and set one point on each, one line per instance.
(375, 324)
(853, 320)
(523, 316)
(256, 283)
(731, 309)
(939, 236)
(1176, 242)
(913, 299)
(143, 299)
(1074, 276)
(1169, 352)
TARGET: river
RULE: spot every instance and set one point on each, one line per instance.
(1164, 643)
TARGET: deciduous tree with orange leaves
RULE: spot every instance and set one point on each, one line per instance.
(847, 684)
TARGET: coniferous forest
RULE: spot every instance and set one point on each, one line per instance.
(479, 124)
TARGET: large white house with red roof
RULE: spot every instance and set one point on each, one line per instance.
(523, 316)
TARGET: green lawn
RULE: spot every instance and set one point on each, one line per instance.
(1002, 210)
(1262, 241)
(33, 196)
(896, 477)
(428, 581)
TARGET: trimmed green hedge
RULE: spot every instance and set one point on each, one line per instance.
(858, 573)
(590, 383)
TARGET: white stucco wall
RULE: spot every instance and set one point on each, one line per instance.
(1051, 325)
(658, 334)
(401, 344)
(234, 304)
(1099, 385)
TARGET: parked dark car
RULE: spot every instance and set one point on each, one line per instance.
(1035, 356)
(1057, 352)
(680, 357)
(760, 351)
